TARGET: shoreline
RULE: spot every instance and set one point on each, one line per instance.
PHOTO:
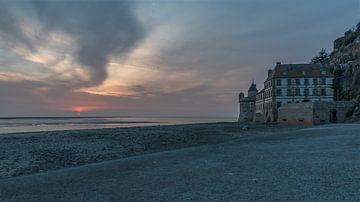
(113, 127)
(35, 152)
(39, 125)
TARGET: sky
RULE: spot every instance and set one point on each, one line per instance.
(154, 57)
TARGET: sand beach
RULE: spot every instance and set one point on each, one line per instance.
(198, 162)
(30, 153)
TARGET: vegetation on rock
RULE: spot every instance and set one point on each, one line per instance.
(344, 63)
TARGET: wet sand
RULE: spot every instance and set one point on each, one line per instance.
(318, 163)
(30, 153)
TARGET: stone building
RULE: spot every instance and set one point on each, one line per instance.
(313, 113)
(247, 104)
(292, 83)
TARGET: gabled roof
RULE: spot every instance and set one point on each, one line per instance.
(299, 70)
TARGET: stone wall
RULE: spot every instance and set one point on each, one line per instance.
(321, 112)
(247, 111)
(259, 118)
(313, 113)
(296, 114)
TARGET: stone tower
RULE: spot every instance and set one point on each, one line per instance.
(247, 104)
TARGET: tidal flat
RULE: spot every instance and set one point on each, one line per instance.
(29, 153)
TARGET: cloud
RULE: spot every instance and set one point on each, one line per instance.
(9, 28)
(100, 29)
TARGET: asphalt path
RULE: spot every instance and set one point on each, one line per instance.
(314, 164)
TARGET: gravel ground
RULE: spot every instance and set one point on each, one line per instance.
(314, 164)
(29, 153)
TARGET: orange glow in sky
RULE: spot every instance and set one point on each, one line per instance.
(80, 109)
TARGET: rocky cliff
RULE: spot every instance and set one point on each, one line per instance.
(344, 62)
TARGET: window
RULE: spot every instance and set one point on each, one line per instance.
(315, 81)
(278, 92)
(278, 82)
(297, 82)
(315, 91)
(297, 91)
(278, 104)
(323, 81)
(289, 92)
(323, 91)
(289, 82)
(306, 82)
(306, 92)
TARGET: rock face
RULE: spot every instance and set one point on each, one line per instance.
(356, 114)
(344, 61)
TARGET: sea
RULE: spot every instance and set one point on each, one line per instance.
(37, 124)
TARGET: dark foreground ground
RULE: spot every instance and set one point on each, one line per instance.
(317, 164)
(30, 153)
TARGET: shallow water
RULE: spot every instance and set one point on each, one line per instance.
(34, 124)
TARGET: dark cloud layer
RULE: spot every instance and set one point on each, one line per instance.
(100, 29)
(9, 28)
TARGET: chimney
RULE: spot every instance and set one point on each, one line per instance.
(269, 72)
(278, 63)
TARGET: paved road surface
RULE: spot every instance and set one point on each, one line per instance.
(318, 164)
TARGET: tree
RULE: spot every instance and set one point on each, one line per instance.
(322, 58)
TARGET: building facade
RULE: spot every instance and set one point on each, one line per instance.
(292, 83)
(247, 104)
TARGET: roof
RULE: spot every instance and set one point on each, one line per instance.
(252, 87)
(299, 70)
(261, 91)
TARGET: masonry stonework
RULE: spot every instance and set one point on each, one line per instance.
(313, 113)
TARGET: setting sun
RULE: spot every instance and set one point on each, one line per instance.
(80, 109)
